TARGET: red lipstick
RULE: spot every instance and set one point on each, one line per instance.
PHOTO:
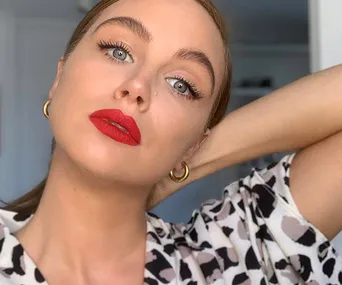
(117, 126)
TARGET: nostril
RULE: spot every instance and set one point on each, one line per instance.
(125, 93)
(139, 100)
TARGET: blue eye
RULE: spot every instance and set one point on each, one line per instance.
(184, 88)
(179, 85)
(116, 51)
(120, 54)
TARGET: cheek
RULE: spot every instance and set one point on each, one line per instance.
(91, 79)
(81, 91)
(90, 74)
(178, 126)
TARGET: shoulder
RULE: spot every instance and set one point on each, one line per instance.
(12, 260)
(263, 191)
(255, 228)
(12, 221)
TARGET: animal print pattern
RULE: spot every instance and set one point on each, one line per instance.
(254, 235)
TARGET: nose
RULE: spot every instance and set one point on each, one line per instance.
(137, 91)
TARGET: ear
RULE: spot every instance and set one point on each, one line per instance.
(60, 66)
(193, 150)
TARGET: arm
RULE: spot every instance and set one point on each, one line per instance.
(294, 117)
(306, 115)
(316, 184)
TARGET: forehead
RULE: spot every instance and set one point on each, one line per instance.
(174, 24)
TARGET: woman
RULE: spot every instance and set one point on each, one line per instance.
(136, 92)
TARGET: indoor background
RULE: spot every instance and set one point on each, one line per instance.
(272, 42)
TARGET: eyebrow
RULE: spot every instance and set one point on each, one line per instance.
(198, 57)
(132, 24)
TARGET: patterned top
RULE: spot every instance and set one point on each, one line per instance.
(254, 235)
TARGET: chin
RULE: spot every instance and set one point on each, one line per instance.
(88, 154)
(111, 161)
(98, 158)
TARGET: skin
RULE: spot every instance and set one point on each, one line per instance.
(305, 116)
(86, 181)
(90, 172)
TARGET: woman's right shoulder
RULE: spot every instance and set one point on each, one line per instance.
(257, 225)
(12, 221)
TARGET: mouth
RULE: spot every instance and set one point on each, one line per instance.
(117, 126)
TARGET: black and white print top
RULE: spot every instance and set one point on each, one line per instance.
(254, 235)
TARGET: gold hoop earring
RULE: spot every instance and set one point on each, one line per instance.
(185, 176)
(46, 109)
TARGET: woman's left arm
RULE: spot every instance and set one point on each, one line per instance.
(316, 184)
(305, 115)
(297, 116)
(293, 117)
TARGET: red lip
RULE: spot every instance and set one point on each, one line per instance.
(101, 120)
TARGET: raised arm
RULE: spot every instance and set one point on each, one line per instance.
(293, 117)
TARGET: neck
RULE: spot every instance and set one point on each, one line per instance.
(85, 226)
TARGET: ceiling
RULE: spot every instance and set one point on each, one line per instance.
(250, 20)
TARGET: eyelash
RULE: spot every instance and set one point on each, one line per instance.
(196, 94)
(105, 45)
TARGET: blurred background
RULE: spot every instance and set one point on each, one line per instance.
(272, 42)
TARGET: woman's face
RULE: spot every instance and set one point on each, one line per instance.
(159, 63)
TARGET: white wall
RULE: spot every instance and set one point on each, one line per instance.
(8, 107)
(29, 51)
(39, 45)
(325, 33)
